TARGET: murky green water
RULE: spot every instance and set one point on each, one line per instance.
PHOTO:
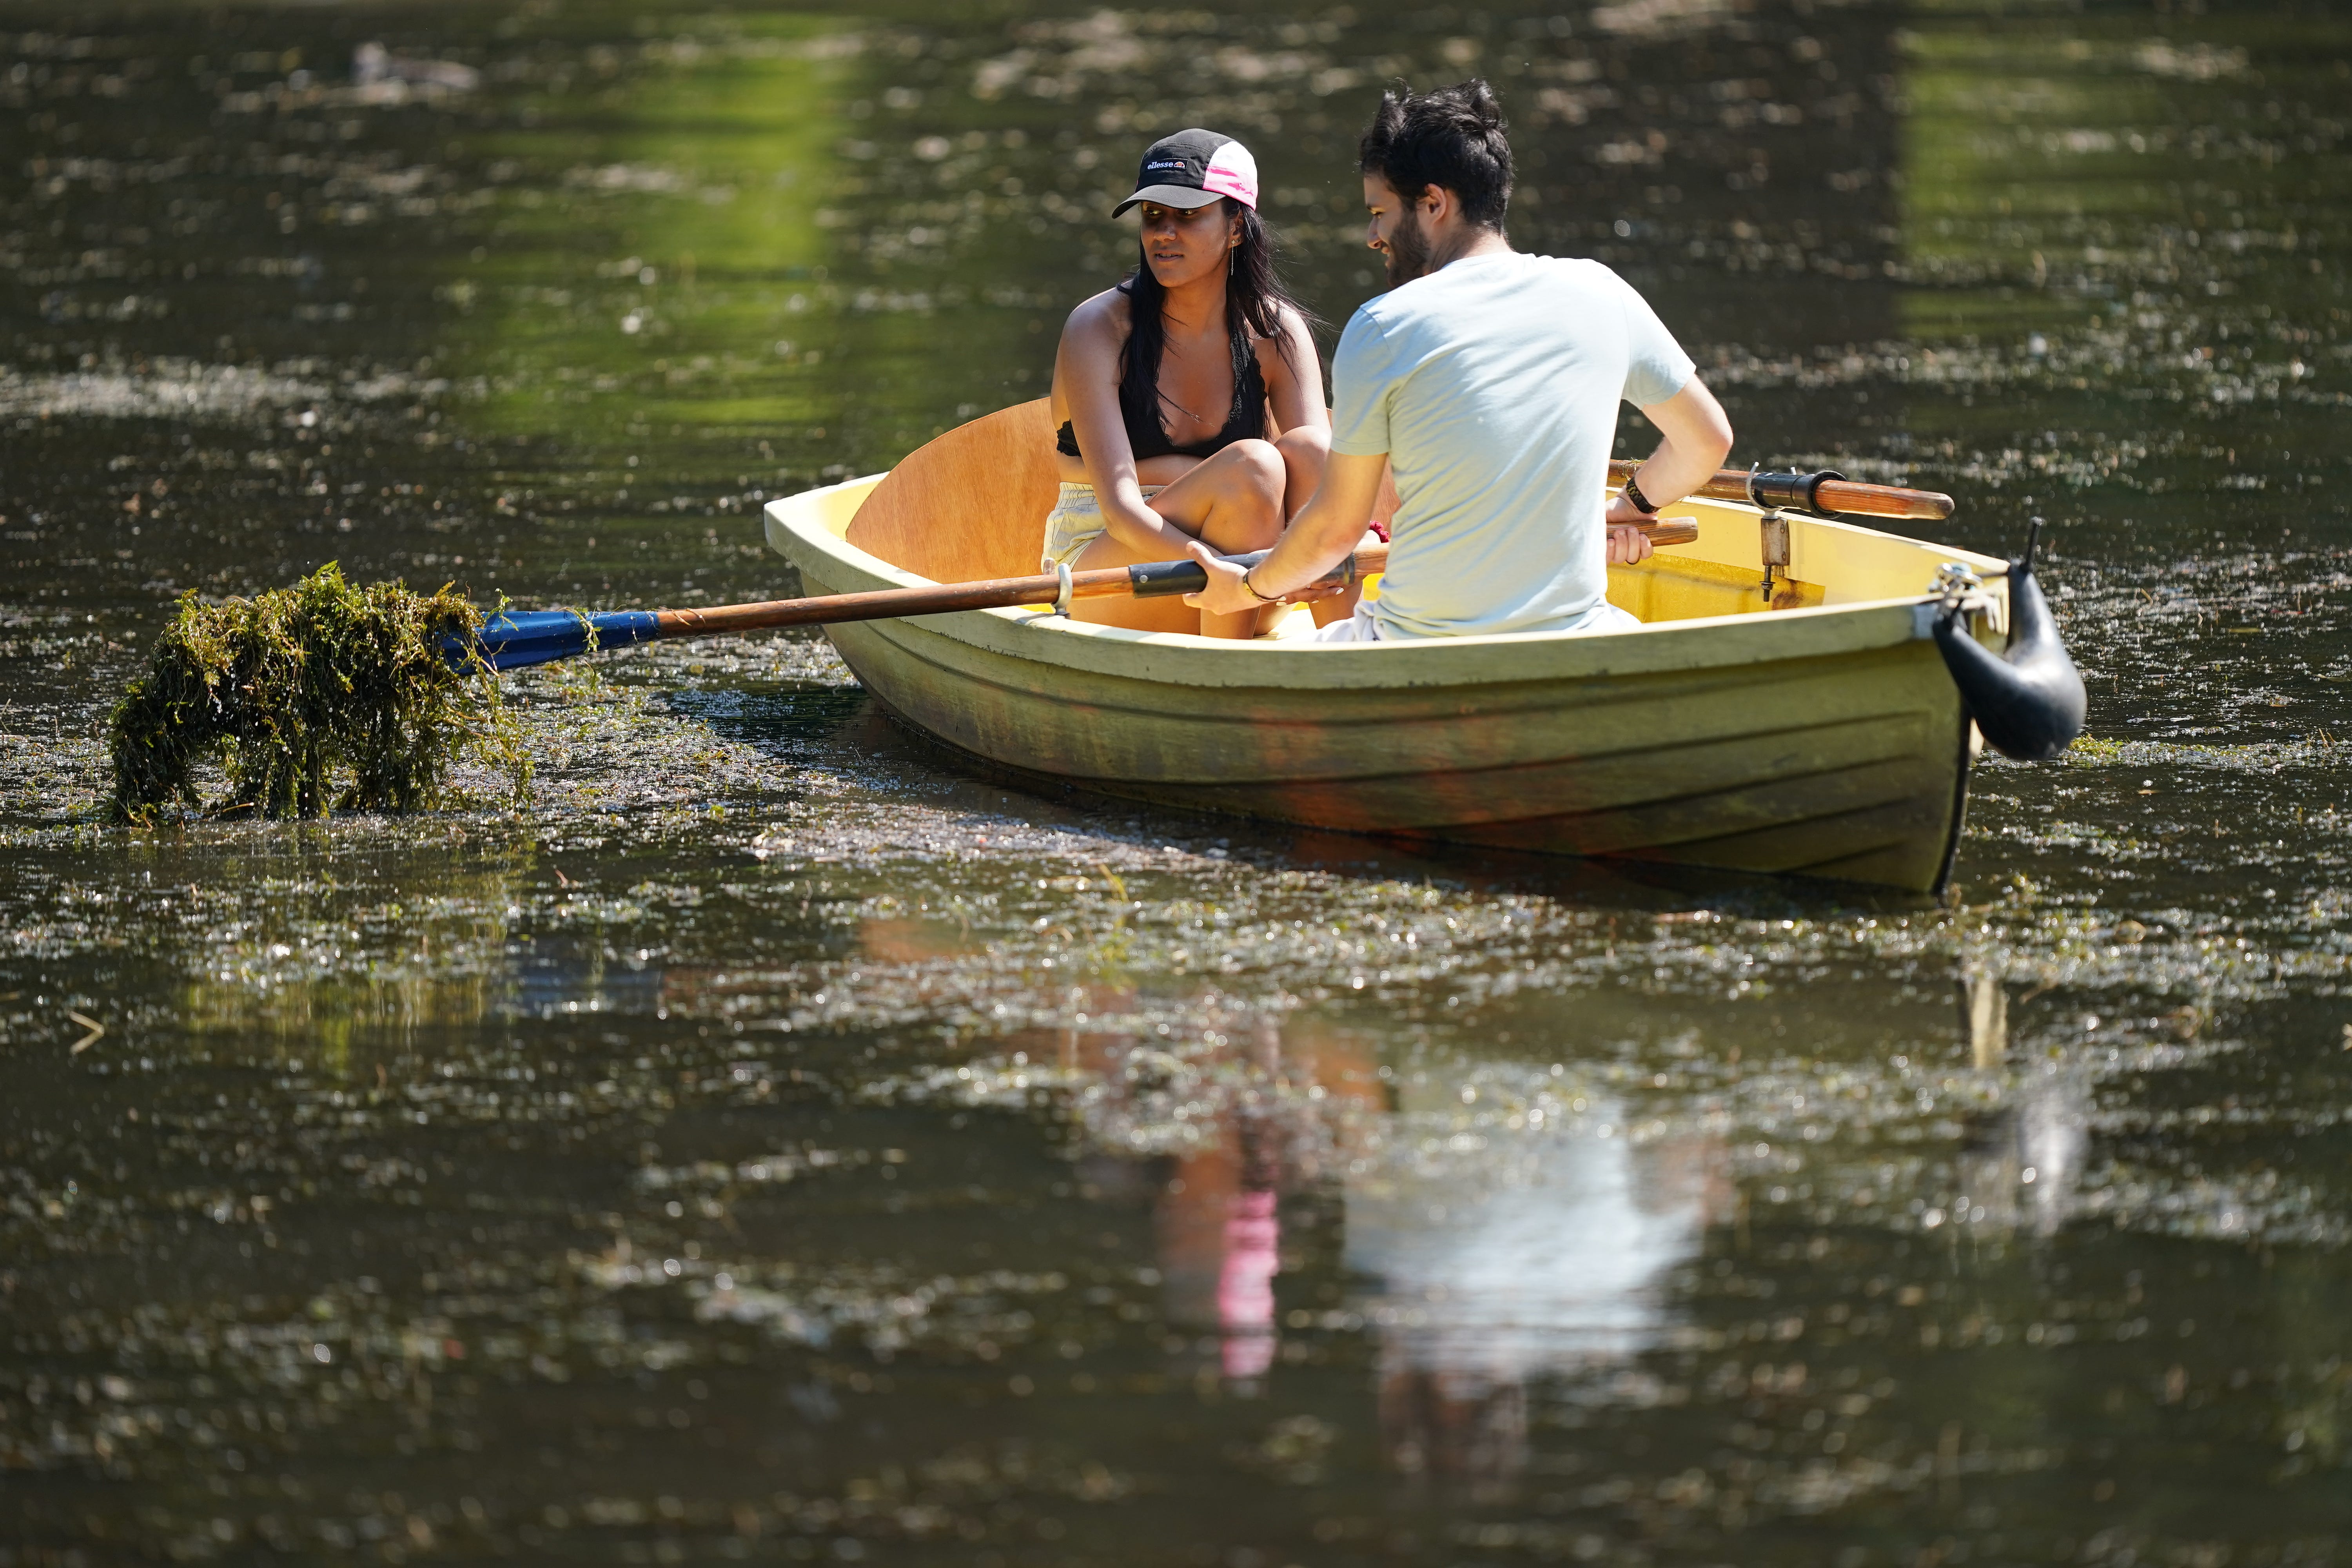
(775, 1145)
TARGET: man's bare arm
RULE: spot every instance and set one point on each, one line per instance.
(1698, 439)
(1321, 536)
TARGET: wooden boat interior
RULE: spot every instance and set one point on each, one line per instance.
(972, 503)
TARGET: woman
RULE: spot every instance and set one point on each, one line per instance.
(1190, 397)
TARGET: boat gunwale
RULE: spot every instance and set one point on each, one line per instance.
(1187, 659)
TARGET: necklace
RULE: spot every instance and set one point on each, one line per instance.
(1196, 418)
(1181, 409)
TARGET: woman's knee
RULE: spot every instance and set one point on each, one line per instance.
(1258, 464)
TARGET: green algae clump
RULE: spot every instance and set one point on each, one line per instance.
(321, 695)
(2094, 751)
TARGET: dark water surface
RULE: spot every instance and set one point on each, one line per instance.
(775, 1145)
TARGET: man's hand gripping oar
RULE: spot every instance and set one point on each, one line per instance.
(1330, 527)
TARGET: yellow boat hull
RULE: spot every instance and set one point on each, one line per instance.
(1821, 738)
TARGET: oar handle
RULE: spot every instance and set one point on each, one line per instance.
(1827, 492)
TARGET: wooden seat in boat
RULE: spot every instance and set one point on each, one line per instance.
(970, 504)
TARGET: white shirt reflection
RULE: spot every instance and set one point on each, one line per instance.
(1513, 1253)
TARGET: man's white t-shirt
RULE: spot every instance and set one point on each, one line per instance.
(1492, 385)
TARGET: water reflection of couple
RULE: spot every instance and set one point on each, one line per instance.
(1475, 404)
(1487, 1253)
(1509, 1254)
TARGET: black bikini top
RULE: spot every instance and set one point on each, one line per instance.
(1139, 407)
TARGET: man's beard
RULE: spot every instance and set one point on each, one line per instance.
(1408, 250)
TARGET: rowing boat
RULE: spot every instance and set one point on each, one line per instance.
(1797, 721)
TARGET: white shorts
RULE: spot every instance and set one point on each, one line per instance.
(1361, 626)
(1357, 627)
(1075, 522)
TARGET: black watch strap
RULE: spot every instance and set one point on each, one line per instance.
(1633, 494)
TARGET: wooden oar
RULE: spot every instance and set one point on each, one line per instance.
(1828, 492)
(517, 638)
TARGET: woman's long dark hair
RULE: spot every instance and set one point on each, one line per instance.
(1254, 299)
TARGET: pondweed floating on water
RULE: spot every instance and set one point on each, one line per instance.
(298, 690)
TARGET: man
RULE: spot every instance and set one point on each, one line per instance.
(1489, 380)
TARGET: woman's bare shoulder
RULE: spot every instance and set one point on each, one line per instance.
(1102, 312)
(1291, 330)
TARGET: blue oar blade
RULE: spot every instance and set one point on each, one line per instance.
(516, 640)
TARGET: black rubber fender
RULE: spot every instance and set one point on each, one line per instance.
(2029, 702)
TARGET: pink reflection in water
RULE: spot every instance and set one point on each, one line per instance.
(1245, 1288)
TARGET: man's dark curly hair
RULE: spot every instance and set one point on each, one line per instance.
(1451, 137)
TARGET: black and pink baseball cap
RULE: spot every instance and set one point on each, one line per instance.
(1192, 169)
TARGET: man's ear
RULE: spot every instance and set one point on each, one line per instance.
(1436, 202)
